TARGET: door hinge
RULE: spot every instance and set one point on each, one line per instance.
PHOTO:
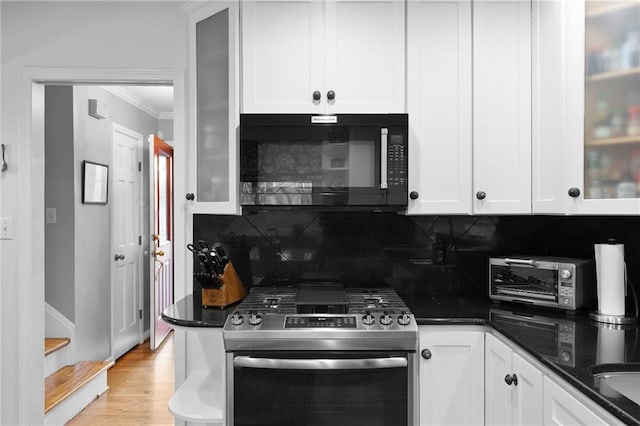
(139, 166)
(139, 240)
(140, 313)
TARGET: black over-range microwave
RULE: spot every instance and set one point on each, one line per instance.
(343, 161)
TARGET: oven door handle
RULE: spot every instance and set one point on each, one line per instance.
(320, 364)
(527, 262)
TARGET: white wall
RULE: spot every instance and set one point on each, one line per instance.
(59, 195)
(107, 35)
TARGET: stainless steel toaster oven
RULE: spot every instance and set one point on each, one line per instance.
(554, 282)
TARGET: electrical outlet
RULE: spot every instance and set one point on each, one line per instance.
(6, 228)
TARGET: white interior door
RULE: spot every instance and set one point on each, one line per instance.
(126, 273)
(161, 223)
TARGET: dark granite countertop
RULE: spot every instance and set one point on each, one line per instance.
(569, 345)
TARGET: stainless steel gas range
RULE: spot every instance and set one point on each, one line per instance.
(321, 354)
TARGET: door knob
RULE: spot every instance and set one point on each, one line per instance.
(117, 257)
(158, 253)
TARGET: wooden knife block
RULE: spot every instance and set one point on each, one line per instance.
(231, 291)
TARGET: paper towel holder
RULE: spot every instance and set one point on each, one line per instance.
(627, 318)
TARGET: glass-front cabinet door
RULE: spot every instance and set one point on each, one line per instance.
(214, 103)
(612, 100)
(586, 107)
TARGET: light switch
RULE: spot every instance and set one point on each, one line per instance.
(50, 215)
(6, 228)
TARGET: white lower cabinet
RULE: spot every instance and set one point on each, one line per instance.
(562, 408)
(513, 389)
(451, 375)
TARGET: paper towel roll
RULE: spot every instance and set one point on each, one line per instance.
(611, 278)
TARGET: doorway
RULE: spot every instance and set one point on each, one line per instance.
(30, 307)
(96, 135)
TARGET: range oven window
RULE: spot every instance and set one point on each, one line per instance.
(321, 397)
(532, 283)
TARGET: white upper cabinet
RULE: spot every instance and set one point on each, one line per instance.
(502, 106)
(439, 106)
(214, 99)
(332, 56)
(469, 104)
(587, 107)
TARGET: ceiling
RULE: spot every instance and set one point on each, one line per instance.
(157, 101)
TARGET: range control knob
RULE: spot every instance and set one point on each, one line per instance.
(237, 319)
(565, 274)
(368, 319)
(255, 319)
(404, 319)
(386, 319)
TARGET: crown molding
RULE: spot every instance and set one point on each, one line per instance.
(132, 99)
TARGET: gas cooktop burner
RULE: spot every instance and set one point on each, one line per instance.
(321, 316)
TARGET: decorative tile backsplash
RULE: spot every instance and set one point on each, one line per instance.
(432, 255)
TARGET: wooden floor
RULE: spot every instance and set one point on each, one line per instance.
(140, 385)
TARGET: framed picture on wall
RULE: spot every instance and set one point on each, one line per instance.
(95, 182)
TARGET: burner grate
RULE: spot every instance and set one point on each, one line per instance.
(282, 300)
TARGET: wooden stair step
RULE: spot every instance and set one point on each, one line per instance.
(52, 344)
(67, 380)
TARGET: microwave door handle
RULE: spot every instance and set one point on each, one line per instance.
(383, 158)
(320, 364)
(527, 262)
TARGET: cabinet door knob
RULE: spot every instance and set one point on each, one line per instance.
(190, 196)
(117, 257)
(574, 192)
(331, 95)
(414, 195)
(481, 195)
(508, 380)
(426, 354)
(511, 379)
(317, 95)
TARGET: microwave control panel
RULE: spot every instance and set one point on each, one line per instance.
(396, 161)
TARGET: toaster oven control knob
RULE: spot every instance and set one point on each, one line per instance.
(368, 319)
(565, 274)
(414, 195)
(255, 319)
(237, 319)
(404, 319)
(386, 319)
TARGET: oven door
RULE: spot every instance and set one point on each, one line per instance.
(320, 388)
(522, 280)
